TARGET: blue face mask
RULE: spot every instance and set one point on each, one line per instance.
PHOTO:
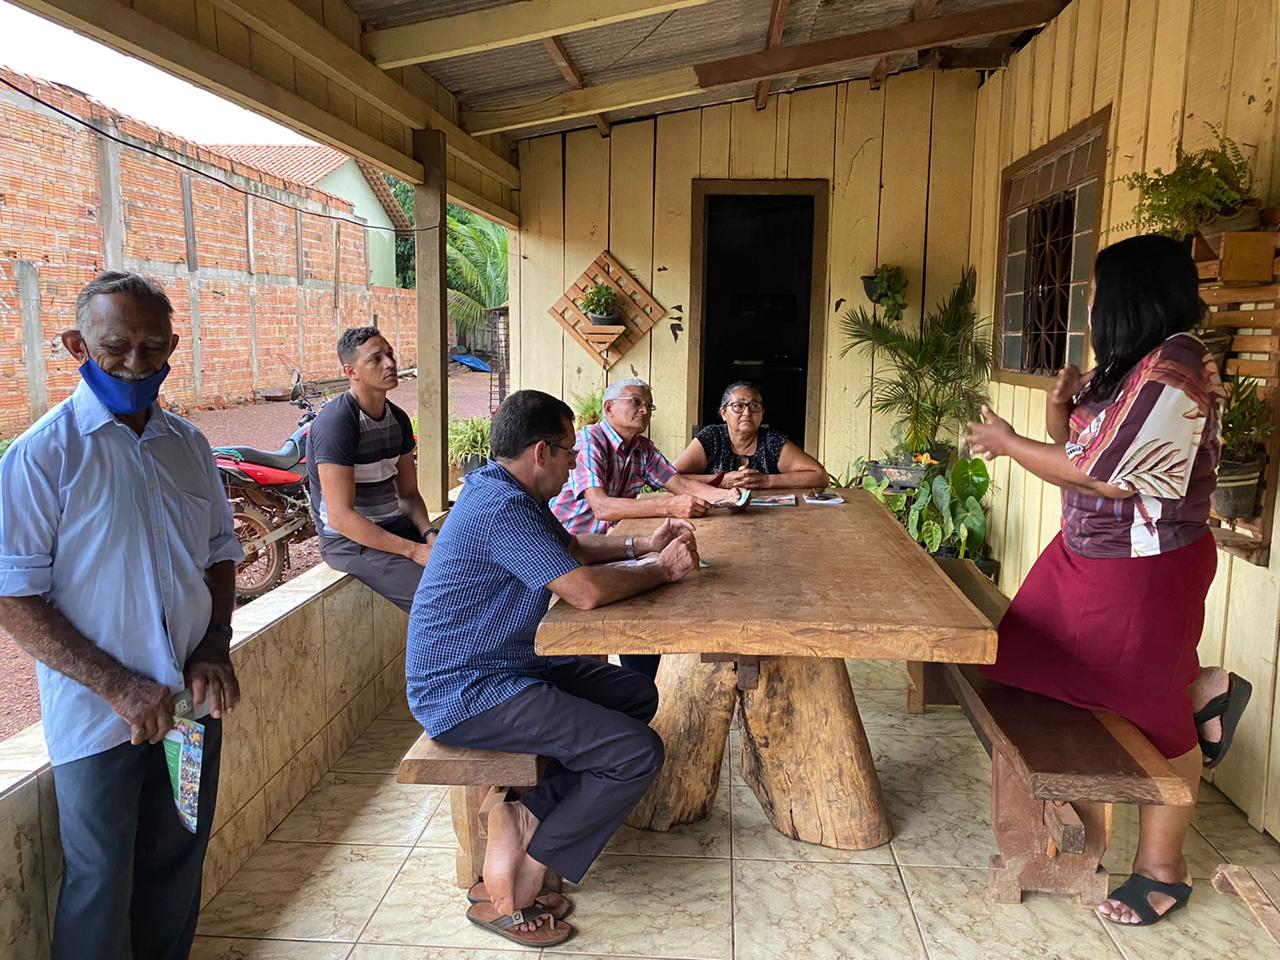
(122, 396)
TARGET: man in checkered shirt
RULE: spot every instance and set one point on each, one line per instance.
(615, 462)
(475, 681)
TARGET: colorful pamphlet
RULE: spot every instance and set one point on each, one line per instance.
(184, 751)
(776, 500)
(823, 499)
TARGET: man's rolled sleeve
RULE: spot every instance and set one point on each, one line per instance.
(658, 470)
(29, 514)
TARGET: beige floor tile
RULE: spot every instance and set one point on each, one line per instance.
(303, 891)
(1211, 925)
(1224, 826)
(959, 921)
(885, 711)
(1202, 858)
(705, 838)
(439, 832)
(379, 749)
(733, 755)
(807, 911)
(909, 764)
(231, 948)
(755, 838)
(380, 951)
(361, 808)
(877, 674)
(942, 829)
(425, 908)
(654, 907)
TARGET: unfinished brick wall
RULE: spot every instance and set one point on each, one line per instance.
(73, 203)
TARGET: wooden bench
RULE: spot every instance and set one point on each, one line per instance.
(1056, 769)
(477, 779)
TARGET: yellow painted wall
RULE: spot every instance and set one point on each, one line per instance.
(899, 161)
(1166, 67)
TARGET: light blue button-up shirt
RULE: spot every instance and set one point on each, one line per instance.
(115, 531)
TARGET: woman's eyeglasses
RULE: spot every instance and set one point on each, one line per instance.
(737, 406)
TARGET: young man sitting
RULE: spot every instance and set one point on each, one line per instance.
(364, 485)
(475, 681)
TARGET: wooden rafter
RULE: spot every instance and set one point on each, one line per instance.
(571, 75)
(504, 26)
(920, 10)
(780, 62)
(777, 20)
(298, 34)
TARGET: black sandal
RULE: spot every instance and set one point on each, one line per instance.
(1230, 707)
(1133, 893)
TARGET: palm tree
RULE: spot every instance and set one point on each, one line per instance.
(937, 375)
(476, 260)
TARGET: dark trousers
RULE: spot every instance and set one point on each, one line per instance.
(646, 663)
(389, 574)
(592, 719)
(131, 870)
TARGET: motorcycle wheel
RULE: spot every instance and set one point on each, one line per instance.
(261, 569)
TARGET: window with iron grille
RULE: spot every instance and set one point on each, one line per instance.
(1050, 219)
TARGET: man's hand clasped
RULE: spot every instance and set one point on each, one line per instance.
(147, 706)
(687, 505)
(211, 676)
(680, 556)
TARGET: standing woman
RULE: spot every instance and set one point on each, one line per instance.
(1110, 615)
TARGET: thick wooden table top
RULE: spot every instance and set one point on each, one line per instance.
(801, 581)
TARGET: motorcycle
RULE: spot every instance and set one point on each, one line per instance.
(270, 501)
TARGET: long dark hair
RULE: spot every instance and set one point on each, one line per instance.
(1146, 290)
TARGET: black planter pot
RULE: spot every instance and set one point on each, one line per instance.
(989, 567)
(1236, 494)
(869, 286)
(602, 319)
(473, 462)
(901, 478)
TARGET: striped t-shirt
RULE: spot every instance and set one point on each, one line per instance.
(344, 434)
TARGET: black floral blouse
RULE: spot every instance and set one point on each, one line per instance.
(721, 456)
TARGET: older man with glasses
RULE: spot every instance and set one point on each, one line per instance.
(615, 462)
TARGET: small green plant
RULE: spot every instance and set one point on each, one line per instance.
(598, 300)
(945, 510)
(468, 438)
(1246, 422)
(890, 285)
(588, 407)
(1201, 185)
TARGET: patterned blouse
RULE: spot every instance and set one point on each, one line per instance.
(1159, 437)
(721, 456)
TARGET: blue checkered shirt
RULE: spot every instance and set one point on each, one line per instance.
(480, 601)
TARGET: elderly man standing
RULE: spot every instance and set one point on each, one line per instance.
(117, 573)
(615, 461)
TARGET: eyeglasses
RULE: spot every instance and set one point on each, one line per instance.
(737, 406)
(571, 451)
(640, 403)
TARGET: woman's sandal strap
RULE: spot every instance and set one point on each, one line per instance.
(1135, 891)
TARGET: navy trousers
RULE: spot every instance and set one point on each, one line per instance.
(389, 574)
(646, 663)
(131, 870)
(592, 720)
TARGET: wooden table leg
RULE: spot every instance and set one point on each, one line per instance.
(695, 705)
(806, 756)
(464, 807)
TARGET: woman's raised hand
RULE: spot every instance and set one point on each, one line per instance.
(1070, 382)
(991, 437)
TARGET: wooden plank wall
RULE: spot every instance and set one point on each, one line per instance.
(1166, 67)
(201, 21)
(906, 149)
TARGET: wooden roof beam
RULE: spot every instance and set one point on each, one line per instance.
(504, 26)
(920, 10)
(780, 62)
(777, 21)
(290, 28)
(571, 75)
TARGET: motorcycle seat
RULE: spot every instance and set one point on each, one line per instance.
(286, 458)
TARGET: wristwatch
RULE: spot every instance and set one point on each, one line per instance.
(630, 544)
(220, 630)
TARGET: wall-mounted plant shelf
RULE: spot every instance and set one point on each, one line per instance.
(637, 311)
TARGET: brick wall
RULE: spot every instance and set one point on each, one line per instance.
(73, 203)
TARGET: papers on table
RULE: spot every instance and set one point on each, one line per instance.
(824, 499)
(775, 500)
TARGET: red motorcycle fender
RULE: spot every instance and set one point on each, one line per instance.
(269, 476)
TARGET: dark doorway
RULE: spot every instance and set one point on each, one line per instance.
(759, 275)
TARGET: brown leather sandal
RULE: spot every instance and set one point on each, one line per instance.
(556, 904)
(552, 933)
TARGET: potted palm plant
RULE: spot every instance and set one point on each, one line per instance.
(468, 443)
(937, 374)
(598, 305)
(587, 408)
(1246, 427)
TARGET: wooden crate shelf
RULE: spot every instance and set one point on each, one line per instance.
(637, 311)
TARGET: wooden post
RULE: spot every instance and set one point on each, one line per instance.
(430, 211)
(464, 809)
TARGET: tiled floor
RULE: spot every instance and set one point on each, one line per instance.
(363, 870)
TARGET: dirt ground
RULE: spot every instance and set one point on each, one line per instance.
(263, 425)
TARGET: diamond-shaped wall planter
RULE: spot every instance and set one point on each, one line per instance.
(637, 311)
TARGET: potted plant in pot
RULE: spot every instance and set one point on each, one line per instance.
(937, 374)
(1246, 427)
(1208, 191)
(885, 289)
(598, 305)
(588, 408)
(468, 443)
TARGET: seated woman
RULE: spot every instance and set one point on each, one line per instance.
(1110, 615)
(741, 453)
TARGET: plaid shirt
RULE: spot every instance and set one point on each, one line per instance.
(619, 469)
(481, 598)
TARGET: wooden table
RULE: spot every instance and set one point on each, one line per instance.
(791, 592)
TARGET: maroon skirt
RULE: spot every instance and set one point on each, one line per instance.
(1113, 634)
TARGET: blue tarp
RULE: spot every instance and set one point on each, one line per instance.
(467, 360)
